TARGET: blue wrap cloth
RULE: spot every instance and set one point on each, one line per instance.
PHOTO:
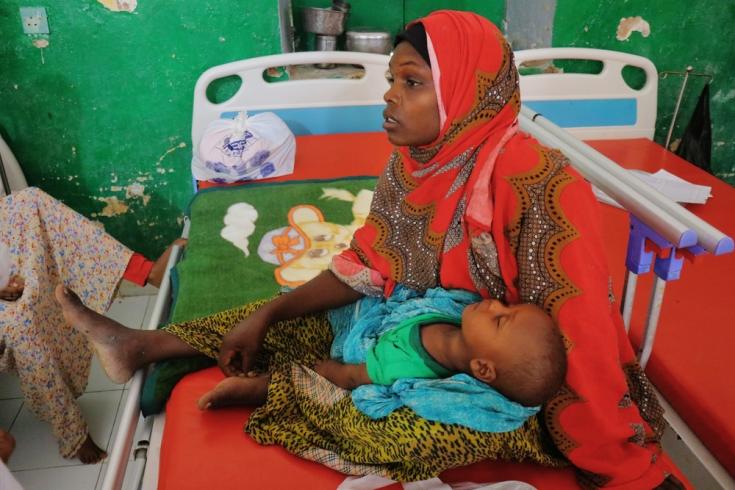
(459, 399)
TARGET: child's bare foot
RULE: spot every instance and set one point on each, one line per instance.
(7, 444)
(347, 376)
(90, 453)
(14, 289)
(159, 267)
(113, 343)
(236, 390)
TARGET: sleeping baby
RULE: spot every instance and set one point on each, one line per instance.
(516, 349)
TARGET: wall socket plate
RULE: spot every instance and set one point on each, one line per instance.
(34, 20)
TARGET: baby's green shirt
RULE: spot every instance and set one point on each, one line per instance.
(399, 352)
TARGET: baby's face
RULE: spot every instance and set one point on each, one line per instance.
(499, 332)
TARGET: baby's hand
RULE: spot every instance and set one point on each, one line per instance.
(13, 290)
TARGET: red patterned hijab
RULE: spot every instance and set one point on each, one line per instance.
(436, 188)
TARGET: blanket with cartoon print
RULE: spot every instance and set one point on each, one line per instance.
(250, 242)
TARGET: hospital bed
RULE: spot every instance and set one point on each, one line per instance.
(337, 123)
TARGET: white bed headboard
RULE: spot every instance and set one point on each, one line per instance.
(592, 106)
(318, 106)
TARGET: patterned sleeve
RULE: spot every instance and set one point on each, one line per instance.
(352, 271)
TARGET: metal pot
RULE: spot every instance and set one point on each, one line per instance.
(324, 21)
(368, 41)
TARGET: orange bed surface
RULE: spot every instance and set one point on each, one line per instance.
(689, 364)
(210, 450)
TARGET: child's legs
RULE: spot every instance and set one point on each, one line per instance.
(237, 390)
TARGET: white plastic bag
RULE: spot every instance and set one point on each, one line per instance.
(244, 148)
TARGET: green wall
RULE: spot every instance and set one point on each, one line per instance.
(106, 113)
(683, 33)
(111, 104)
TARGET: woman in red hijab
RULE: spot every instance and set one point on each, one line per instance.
(483, 207)
(466, 201)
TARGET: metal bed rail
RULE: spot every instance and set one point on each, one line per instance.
(130, 428)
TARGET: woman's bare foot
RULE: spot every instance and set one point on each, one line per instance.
(347, 376)
(114, 344)
(236, 390)
(14, 289)
(7, 444)
(90, 453)
(159, 267)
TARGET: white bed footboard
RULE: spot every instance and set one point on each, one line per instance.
(592, 106)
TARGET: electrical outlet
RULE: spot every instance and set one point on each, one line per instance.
(34, 20)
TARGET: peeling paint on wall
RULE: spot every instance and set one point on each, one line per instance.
(721, 97)
(628, 25)
(114, 207)
(137, 190)
(169, 151)
(41, 43)
(119, 5)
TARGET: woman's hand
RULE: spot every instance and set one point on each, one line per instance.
(241, 344)
(14, 289)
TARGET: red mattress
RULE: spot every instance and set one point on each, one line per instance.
(210, 450)
(689, 364)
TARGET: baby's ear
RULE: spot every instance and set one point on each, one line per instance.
(483, 369)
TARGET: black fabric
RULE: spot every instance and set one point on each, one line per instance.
(696, 144)
(415, 35)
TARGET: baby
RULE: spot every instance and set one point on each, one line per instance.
(515, 349)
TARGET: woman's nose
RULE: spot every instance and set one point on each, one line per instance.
(390, 95)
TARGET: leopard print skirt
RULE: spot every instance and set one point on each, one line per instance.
(314, 419)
